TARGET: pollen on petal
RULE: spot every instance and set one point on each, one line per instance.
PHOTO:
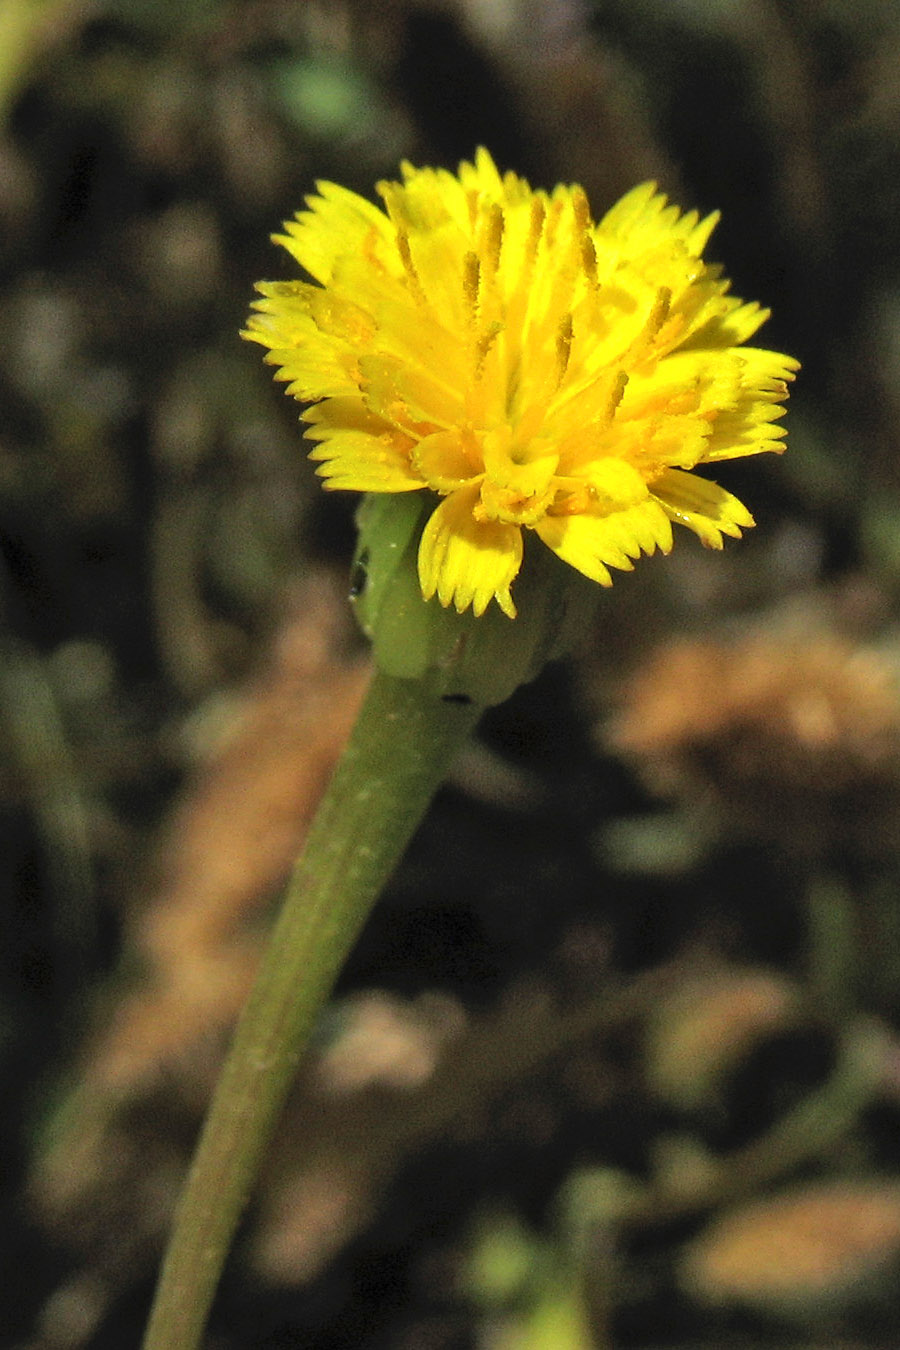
(358, 451)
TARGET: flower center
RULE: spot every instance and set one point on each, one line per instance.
(519, 479)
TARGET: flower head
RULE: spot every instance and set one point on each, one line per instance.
(532, 369)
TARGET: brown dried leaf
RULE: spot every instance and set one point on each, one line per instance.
(226, 851)
(706, 1026)
(795, 733)
(425, 1072)
(810, 1247)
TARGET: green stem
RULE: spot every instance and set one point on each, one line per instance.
(399, 752)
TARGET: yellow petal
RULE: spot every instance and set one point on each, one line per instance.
(483, 175)
(313, 363)
(584, 409)
(732, 323)
(445, 460)
(338, 222)
(467, 562)
(408, 395)
(314, 372)
(685, 381)
(643, 223)
(359, 451)
(594, 543)
(703, 507)
(616, 485)
(746, 428)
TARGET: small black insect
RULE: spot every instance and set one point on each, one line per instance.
(359, 575)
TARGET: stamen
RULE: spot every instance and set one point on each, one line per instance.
(619, 385)
(659, 312)
(494, 236)
(535, 229)
(589, 259)
(471, 281)
(484, 345)
(642, 348)
(563, 344)
(553, 215)
(409, 266)
(581, 211)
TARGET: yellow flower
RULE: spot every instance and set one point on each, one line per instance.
(532, 369)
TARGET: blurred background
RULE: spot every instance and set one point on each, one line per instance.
(616, 1062)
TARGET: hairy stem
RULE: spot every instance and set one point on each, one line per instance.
(398, 754)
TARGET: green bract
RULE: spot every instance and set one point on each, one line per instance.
(482, 660)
